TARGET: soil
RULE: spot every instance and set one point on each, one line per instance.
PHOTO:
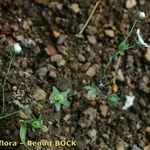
(53, 55)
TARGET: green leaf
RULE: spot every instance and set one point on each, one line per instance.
(55, 90)
(112, 99)
(23, 132)
(91, 91)
(122, 46)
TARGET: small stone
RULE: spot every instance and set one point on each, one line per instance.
(145, 80)
(147, 129)
(81, 58)
(75, 7)
(53, 74)
(20, 37)
(91, 71)
(14, 88)
(44, 128)
(56, 33)
(23, 115)
(120, 75)
(29, 43)
(135, 147)
(147, 147)
(92, 134)
(59, 59)
(61, 63)
(67, 117)
(92, 39)
(61, 39)
(42, 71)
(56, 58)
(130, 4)
(16, 102)
(120, 145)
(104, 110)
(91, 29)
(26, 25)
(24, 63)
(86, 66)
(147, 55)
(50, 50)
(109, 33)
(144, 88)
(15, 27)
(39, 94)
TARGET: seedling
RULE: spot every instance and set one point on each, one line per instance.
(14, 50)
(123, 46)
(58, 98)
(112, 99)
(91, 92)
(34, 123)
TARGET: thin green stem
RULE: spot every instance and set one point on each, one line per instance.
(131, 30)
(8, 115)
(117, 53)
(4, 84)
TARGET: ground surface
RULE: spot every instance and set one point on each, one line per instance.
(93, 124)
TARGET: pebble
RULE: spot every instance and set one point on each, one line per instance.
(92, 134)
(61, 39)
(130, 4)
(104, 110)
(44, 128)
(135, 147)
(91, 29)
(147, 129)
(42, 72)
(26, 25)
(81, 58)
(145, 88)
(109, 33)
(120, 145)
(91, 71)
(29, 43)
(53, 74)
(147, 55)
(145, 79)
(92, 39)
(23, 115)
(147, 147)
(50, 50)
(74, 7)
(39, 94)
(67, 117)
(59, 59)
(120, 75)
(24, 63)
(20, 37)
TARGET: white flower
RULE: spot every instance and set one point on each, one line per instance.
(129, 102)
(140, 39)
(17, 48)
(141, 15)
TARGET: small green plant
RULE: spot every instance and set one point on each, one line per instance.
(14, 50)
(58, 98)
(34, 123)
(112, 99)
(91, 92)
(124, 45)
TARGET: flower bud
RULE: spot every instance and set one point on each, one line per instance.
(141, 15)
(17, 48)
